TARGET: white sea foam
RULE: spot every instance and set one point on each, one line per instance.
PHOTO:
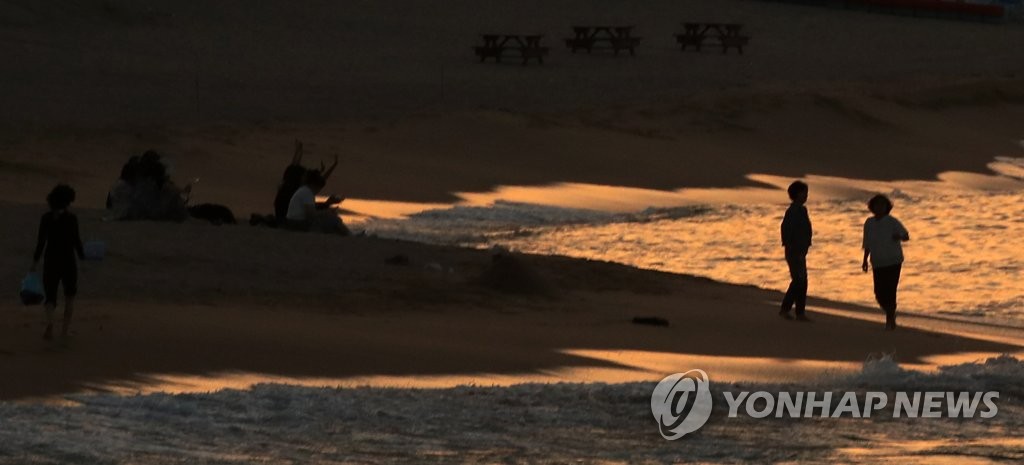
(483, 225)
(531, 422)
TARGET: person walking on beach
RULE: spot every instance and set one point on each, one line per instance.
(60, 242)
(796, 239)
(884, 236)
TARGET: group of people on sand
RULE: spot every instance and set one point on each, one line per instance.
(144, 191)
(144, 183)
(295, 205)
(883, 240)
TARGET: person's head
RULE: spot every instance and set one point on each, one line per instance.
(130, 170)
(294, 175)
(151, 167)
(61, 197)
(880, 205)
(798, 192)
(150, 156)
(315, 181)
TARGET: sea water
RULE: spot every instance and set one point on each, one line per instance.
(965, 258)
(526, 423)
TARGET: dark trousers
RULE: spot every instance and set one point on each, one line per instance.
(797, 292)
(57, 272)
(887, 279)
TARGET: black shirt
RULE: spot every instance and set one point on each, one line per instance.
(796, 228)
(58, 236)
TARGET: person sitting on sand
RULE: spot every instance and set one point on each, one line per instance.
(144, 191)
(60, 240)
(883, 243)
(796, 238)
(306, 214)
(292, 179)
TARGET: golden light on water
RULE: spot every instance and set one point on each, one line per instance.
(965, 257)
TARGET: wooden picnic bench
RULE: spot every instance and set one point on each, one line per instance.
(616, 38)
(526, 46)
(727, 34)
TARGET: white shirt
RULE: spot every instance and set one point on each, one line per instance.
(301, 200)
(878, 239)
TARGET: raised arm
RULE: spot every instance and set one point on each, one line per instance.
(326, 171)
(297, 156)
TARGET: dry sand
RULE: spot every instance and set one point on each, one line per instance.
(225, 89)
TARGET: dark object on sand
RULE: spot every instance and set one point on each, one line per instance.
(509, 273)
(524, 46)
(650, 321)
(269, 221)
(617, 38)
(727, 34)
(214, 213)
(400, 259)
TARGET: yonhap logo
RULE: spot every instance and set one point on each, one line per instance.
(681, 403)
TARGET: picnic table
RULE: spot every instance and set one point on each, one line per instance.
(728, 35)
(616, 37)
(526, 46)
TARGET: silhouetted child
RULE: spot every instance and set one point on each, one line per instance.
(796, 239)
(60, 240)
(883, 243)
(306, 214)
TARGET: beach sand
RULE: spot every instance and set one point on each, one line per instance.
(194, 300)
(224, 94)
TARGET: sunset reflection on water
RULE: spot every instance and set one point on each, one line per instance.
(965, 258)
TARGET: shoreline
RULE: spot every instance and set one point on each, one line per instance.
(202, 304)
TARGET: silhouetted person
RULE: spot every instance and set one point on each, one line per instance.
(59, 241)
(883, 243)
(144, 191)
(125, 182)
(293, 178)
(796, 239)
(151, 167)
(306, 214)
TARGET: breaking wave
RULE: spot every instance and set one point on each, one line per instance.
(274, 423)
